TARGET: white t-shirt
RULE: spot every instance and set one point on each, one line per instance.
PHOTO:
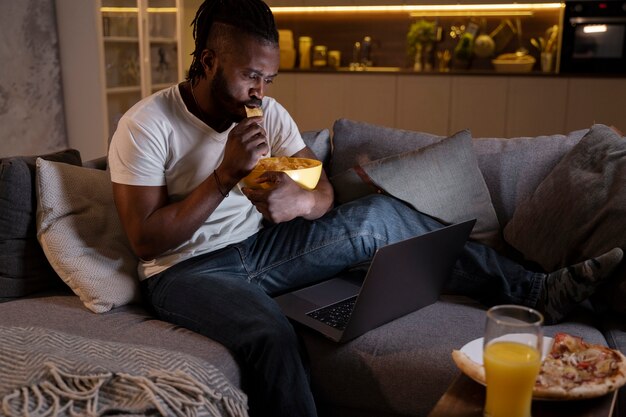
(159, 142)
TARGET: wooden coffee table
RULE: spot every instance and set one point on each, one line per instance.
(466, 398)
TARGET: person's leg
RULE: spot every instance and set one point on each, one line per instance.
(211, 295)
(565, 288)
(296, 253)
(299, 252)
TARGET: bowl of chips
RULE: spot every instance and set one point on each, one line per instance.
(306, 172)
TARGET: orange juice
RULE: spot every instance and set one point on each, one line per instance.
(511, 370)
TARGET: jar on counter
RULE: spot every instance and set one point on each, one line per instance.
(320, 57)
(305, 43)
(334, 58)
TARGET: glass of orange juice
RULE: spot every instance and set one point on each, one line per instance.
(512, 349)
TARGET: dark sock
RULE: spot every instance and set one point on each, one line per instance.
(564, 289)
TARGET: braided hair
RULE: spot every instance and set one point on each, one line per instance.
(252, 17)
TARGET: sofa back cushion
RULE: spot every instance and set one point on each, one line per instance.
(357, 143)
(514, 167)
(579, 210)
(24, 268)
(319, 142)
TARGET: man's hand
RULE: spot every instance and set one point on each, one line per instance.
(246, 144)
(283, 200)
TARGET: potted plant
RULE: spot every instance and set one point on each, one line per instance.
(420, 38)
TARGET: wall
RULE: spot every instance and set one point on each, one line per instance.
(31, 97)
(190, 7)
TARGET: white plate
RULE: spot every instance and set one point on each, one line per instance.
(474, 349)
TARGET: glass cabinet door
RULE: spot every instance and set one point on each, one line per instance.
(141, 51)
(163, 38)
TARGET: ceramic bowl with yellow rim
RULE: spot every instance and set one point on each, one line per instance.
(306, 172)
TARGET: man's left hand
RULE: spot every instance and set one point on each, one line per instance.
(281, 200)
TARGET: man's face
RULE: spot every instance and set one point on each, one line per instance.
(242, 77)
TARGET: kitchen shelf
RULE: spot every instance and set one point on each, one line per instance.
(124, 90)
(338, 27)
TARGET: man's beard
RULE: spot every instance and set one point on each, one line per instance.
(231, 107)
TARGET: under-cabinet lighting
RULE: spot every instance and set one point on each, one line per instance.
(440, 10)
(483, 13)
(135, 9)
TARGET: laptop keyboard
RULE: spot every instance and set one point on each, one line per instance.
(335, 315)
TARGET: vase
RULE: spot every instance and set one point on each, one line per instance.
(417, 64)
(427, 57)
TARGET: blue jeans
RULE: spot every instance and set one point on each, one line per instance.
(226, 295)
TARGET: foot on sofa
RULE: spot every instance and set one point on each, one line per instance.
(565, 288)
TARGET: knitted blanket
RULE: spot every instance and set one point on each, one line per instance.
(50, 373)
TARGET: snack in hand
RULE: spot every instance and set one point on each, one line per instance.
(573, 369)
(253, 111)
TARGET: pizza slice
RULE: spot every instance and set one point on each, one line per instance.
(577, 369)
(573, 369)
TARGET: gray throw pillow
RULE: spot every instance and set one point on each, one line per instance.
(82, 237)
(24, 268)
(441, 180)
(579, 210)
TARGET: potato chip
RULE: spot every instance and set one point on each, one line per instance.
(253, 111)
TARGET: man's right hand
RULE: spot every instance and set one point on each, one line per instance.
(246, 144)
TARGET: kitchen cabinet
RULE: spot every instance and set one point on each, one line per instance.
(371, 98)
(488, 105)
(283, 89)
(315, 101)
(600, 100)
(479, 103)
(536, 106)
(423, 103)
(113, 53)
(319, 99)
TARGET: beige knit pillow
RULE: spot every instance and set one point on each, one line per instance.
(82, 237)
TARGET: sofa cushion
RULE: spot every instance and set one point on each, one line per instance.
(132, 323)
(319, 142)
(357, 143)
(578, 211)
(24, 268)
(80, 233)
(403, 367)
(514, 167)
(441, 180)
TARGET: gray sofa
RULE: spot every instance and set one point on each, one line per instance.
(399, 369)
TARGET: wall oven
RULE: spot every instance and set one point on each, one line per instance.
(594, 37)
